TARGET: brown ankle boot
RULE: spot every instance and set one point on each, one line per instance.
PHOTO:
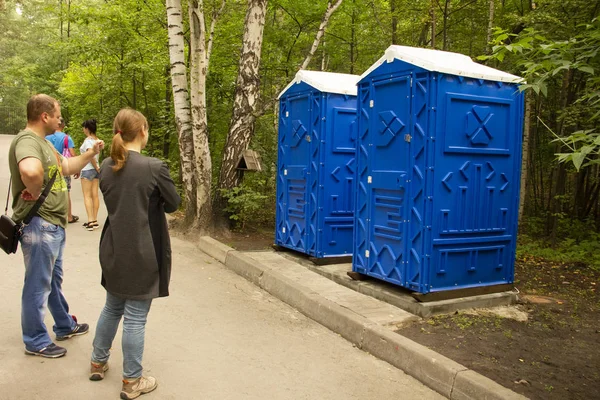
(97, 371)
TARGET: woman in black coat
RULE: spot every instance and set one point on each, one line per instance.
(135, 250)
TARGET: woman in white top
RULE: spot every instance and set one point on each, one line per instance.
(89, 176)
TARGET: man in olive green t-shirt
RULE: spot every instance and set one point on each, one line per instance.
(33, 161)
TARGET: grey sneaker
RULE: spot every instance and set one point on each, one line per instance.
(50, 351)
(97, 371)
(134, 388)
(80, 329)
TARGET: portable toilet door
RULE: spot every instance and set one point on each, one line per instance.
(438, 166)
(383, 162)
(317, 114)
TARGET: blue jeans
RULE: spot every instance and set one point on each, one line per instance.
(42, 244)
(135, 313)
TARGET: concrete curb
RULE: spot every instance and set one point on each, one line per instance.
(214, 248)
(440, 373)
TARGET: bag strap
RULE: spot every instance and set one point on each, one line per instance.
(8, 195)
(66, 142)
(33, 212)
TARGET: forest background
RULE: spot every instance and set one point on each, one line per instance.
(209, 88)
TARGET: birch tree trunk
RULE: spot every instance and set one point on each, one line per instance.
(183, 118)
(324, 58)
(331, 7)
(202, 160)
(241, 128)
(211, 35)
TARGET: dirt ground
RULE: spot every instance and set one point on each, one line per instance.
(552, 352)
(555, 354)
(255, 240)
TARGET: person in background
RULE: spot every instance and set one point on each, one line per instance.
(135, 249)
(89, 177)
(59, 139)
(33, 163)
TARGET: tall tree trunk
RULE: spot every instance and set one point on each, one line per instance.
(121, 83)
(61, 17)
(526, 149)
(211, 35)
(167, 118)
(557, 201)
(490, 26)
(595, 191)
(561, 177)
(540, 159)
(68, 19)
(423, 35)
(324, 58)
(134, 91)
(203, 163)
(394, 21)
(432, 11)
(580, 192)
(245, 102)
(352, 40)
(331, 7)
(145, 92)
(183, 116)
(445, 21)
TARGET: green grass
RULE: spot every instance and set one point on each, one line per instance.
(578, 242)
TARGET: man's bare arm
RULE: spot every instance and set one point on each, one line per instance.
(73, 165)
(32, 175)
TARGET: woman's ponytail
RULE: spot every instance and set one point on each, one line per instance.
(127, 125)
(118, 152)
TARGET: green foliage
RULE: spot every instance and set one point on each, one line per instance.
(98, 56)
(247, 206)
(549, 64)
(580, 242)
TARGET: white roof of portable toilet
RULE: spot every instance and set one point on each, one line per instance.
(443, 61)
(329, 82)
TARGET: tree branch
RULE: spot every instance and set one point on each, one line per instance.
(330, 10)
(211, 37)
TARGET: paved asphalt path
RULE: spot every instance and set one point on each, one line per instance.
(216, 337)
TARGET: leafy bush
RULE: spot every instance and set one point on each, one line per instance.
(248, 207)
(579, 243)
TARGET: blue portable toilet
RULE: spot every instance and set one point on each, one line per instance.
(315, 175)
(438, 167)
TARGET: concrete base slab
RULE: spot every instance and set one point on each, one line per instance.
(401, 297)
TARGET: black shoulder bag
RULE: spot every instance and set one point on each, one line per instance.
(10, 231)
